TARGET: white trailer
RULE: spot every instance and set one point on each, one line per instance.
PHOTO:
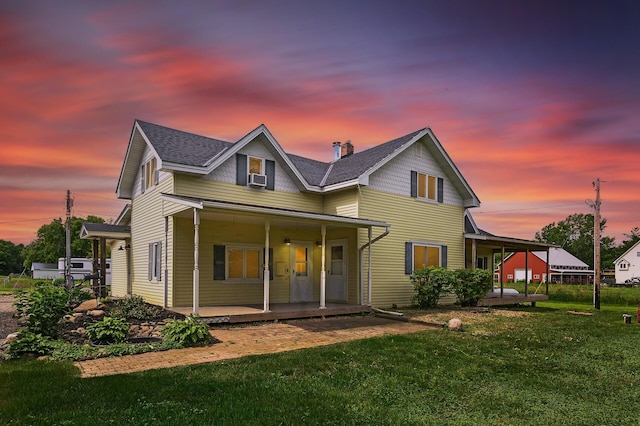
(81, 266)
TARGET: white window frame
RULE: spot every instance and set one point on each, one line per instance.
(150, 174)
(624, 266)
(155, 261)
(426, 189)
(426, 245)
(262, 164)
(244, 248)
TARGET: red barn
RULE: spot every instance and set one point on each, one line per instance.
(564, 268)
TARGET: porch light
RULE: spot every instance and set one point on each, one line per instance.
(127, 247)
(319, 243)
(287, 241)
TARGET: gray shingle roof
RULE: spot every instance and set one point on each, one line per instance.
(180, 147)
(185, 148)
(355, 165)
(105, 227)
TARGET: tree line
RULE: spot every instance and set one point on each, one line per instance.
(575, 235)
(48, 247)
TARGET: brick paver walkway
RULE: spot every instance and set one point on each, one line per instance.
(254, 340)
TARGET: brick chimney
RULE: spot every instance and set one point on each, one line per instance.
(347, 149)
(336, 151)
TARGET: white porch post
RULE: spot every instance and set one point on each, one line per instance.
(369, 284)
(196, 271)
(474, 254)
(323, 271)
(265, 277)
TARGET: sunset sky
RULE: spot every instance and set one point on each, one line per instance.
(532, 100)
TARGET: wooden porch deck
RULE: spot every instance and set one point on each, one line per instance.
(512, 299)
(250, 313)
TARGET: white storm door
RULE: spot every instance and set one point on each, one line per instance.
(337, 270)
(301, 272)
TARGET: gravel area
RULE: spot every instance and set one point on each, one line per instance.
(8, 324)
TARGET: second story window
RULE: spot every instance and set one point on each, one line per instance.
(427, 187)
(149, 175)
(256, 165)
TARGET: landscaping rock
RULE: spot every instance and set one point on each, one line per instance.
(10, 338)
(88, 305)
(455, 324)
(95, 313)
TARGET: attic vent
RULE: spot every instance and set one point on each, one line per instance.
(258, 180)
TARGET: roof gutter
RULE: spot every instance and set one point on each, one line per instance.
(360, 256)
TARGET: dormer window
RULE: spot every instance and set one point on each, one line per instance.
(256, 165)
(255, 172)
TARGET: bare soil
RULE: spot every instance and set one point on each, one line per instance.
(8, 324)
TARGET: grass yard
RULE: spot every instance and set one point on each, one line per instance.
(547, 367)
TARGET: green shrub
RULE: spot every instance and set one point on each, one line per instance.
(471, 285)
(43, 306)
(429, 284)
(134, 306)
(109, 330)
(29, 343)
(188, 332)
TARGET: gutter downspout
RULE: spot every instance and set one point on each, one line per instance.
(166, 261)
(360, 256)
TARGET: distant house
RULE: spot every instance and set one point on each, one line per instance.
(563, 267)
(627, 266)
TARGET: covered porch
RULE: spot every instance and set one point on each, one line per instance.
(265, 263)
(481, 244)
(278, 311)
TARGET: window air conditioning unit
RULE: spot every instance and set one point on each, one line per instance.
(256, 179)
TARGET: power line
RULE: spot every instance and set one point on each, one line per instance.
(30, 220)
(527, 209)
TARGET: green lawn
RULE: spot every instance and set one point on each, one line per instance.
(548, 367)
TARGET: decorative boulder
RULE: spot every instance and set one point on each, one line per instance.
(88, 305)
(96, 313)
(455, 324)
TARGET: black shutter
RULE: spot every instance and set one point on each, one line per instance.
(270, 171)
(159, 260)
(414, 184)
(408, 257)
(150, 270)
(219, 262)
(241, 169)
(440, 190)
(443, 253)
(142, 176)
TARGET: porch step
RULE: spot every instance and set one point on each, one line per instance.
(286, 314)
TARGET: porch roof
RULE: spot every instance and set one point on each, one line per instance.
(202, 203)
(94, 231)
(509, 244)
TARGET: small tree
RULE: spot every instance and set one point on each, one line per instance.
(429, 283)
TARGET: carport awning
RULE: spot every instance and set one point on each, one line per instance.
(202, 203)
(94, 231)
(509, 244)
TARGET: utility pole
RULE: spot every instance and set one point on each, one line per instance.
(67, 260)
(596, 246)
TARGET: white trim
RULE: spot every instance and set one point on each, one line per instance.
(222, 205)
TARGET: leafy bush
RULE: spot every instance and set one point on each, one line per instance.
(134, 306)
(429, 284)
(188, 332)
(109, 330)
(471, 285)
(43, 306)
(29, 343)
